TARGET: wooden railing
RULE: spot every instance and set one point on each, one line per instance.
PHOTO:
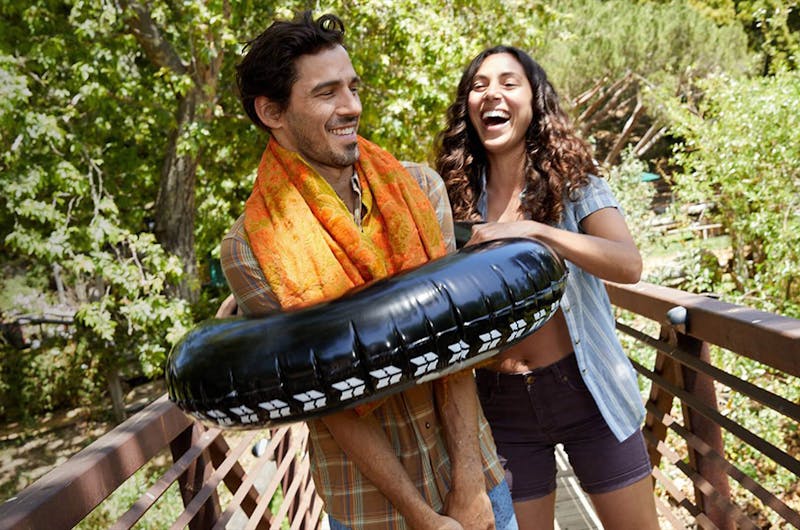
(687, 326)
(265, 474)
(202, 460)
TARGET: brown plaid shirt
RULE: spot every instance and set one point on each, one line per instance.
(409, 419)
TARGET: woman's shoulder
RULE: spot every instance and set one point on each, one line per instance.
(594, 185)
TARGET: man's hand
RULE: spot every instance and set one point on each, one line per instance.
(473, 511)
(433, 521)
(446, 523)
(227, 308)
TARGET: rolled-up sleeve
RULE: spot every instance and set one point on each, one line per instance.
(243, 273)
(433, 186)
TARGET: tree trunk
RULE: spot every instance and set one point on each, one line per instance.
(115, 391)
(175, 204)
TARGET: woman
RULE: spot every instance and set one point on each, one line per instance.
(512, 163)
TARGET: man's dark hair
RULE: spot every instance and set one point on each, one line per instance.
(269, 69)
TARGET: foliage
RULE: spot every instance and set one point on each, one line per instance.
(666, 43)
(54, 374)
(81, 130)
(739, 151)
(613, 62)
(772, 26)
(635, 197)
(66, 170)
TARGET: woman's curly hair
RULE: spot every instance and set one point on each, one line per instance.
(557, 161)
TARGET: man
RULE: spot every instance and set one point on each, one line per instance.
(330, 211)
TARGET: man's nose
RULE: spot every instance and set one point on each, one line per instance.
(350, 104)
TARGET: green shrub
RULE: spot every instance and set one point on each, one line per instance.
(739, 153)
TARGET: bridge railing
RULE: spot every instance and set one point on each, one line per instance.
(260, 479)
(687, 328)
(214, 485)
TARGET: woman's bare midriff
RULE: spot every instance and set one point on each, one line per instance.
(545, 346)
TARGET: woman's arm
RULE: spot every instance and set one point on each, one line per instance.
(606, 248)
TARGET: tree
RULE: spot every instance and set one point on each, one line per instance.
(772, 26)
(102, 137)
(615, 61)
(739, 152)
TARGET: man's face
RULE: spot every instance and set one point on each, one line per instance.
(321, 120)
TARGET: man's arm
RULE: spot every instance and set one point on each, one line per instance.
(467, 501)
(364, 442)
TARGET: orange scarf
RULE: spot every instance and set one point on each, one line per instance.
(306, 240)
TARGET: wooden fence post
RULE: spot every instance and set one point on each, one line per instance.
(702, 386)
(669, 369)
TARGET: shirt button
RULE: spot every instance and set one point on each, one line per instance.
(577, 341)
(567, 309)
(427, 425)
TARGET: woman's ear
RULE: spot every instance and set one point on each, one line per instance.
(268, 112)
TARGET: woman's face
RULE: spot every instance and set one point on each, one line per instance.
(500, 104)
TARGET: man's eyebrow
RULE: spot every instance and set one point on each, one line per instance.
(333, 83)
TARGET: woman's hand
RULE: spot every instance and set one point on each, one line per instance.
(491, 231)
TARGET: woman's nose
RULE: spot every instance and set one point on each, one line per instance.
(491, 92)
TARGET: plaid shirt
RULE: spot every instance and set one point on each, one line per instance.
(409, 419)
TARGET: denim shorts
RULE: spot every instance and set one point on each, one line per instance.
(530, 413)
(504, 518)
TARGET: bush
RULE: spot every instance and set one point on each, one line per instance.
(739, 152)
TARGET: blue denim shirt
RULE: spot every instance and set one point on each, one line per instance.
(606, 369)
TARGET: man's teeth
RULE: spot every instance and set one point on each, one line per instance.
(495, 114)
(344, 132)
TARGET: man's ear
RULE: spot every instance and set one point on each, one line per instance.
(268, 112)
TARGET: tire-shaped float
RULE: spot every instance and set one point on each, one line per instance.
(378, 339)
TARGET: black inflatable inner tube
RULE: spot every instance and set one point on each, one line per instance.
(381, 338)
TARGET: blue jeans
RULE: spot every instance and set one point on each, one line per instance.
(501, 505)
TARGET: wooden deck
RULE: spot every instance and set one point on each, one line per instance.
(573, 508)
